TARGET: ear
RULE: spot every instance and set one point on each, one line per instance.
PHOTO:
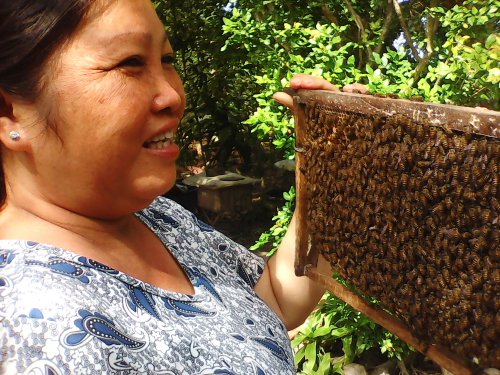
(9, 122)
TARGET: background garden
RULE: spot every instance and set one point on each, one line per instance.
(234, 56)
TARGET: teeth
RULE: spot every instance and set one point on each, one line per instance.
(160, 141)
(162, 137)
(156, 145)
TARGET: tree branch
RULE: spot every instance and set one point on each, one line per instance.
(432, 26)
(329, 15)
(406, 31)
(359, 23)
(386, 26)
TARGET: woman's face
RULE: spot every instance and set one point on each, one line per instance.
(116, 100)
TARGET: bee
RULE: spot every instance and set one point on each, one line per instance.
(434, 152)
(435, 191)
(438, 209)
(465, 177)
(495, 276)
(486, 272)
(431, 224)
(452, 155)
(427, 194)
(483, 146)
(488, 320)
(472, 148)
(495, 203)
(404, 180)
(457, 292)
(441, 281)
(432, 132)
(477, 280)
(486, 216)
(474, 259)
(476, 172)
(469, 194)
(467, 292)
(442, 162)
(478, 314)
(463, 336)
(495, 150)
(496, 306)
(446, 275)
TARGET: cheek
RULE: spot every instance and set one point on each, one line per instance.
(105, 113)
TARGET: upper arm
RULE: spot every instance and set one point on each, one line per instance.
(264, 290)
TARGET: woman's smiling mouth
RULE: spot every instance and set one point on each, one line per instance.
(160, 141)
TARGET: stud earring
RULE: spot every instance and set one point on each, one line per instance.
(14, 135)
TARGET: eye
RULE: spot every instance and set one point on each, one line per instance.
(133, 62)
(168, 59)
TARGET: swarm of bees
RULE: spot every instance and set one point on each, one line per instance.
(408, 213)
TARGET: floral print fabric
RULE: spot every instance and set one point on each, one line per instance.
(61, 313)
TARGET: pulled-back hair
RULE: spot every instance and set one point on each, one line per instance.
(30, 32)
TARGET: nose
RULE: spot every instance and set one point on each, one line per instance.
(170, 92)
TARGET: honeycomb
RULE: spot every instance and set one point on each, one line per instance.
(408, 213)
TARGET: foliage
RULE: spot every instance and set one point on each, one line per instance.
(282, 221)
(335, 321)
(219, 94)
(452, 55)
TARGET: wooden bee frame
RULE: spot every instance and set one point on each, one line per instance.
(469, 122)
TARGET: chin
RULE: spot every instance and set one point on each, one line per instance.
(152, 191)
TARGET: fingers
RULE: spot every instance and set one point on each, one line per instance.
(356, 87)
(284, 99)
(305, 81)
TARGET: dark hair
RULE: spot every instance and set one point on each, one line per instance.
(30, 32)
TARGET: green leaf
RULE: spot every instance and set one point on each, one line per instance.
(490, 41)
(340, 332)
(348, 348)
(324, 365)
(322, 331)
(335, 40)
(311, 355)
(300, 355)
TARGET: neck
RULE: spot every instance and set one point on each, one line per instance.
(31, 218)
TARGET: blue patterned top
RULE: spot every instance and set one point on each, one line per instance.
(61, 313)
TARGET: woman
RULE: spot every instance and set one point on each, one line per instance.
(96, 274)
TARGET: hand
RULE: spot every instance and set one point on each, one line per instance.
(305, 81)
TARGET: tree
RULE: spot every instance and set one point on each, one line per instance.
(410, 49)
(219, 85)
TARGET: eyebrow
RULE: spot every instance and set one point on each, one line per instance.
(144, 35)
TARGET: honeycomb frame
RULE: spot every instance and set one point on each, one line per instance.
(402, 199)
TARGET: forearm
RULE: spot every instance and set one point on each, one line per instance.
(293, 297)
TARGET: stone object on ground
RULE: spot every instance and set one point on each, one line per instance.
(354, 369)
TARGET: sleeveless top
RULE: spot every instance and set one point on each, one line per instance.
(62, 313)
